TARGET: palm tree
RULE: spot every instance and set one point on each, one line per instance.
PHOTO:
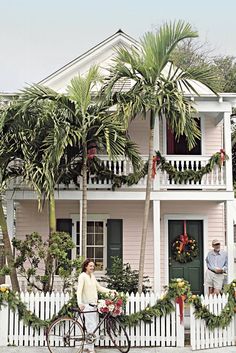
(7, 172)
(59, 130)
(157, 90)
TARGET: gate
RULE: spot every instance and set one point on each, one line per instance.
(203, 338)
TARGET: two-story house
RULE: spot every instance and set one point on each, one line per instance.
(115, 217)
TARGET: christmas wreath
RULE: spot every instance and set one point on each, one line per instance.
(184, 247)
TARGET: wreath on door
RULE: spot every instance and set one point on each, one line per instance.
(184, 247)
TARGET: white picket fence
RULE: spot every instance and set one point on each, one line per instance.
(203, 338)
(164, 331)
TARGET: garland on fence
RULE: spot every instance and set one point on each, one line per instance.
(178, 291)
(160, 162)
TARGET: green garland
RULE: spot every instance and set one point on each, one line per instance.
(214, 321)
(178, 288)
(179, 176)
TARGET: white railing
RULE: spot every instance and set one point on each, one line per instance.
(122, 166)
(201, 336)
(213, 180)
(162, 331)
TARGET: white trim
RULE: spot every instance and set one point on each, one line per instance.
(157, 246)
(178, 216)
(230, 239)
(228, 151)
(164, 140)
(10, 217)
(163, 195)
(203, 132)
(156, 147)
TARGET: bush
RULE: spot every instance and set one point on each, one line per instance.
(123, 279)
(32, 260)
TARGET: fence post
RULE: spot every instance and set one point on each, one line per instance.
(4, 318)
(179, 327)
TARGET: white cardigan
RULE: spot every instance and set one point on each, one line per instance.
(88, 288)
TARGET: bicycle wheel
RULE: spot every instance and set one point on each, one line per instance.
(118, 335)
(65, 335)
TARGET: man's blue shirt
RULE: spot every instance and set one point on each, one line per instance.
(217, 260)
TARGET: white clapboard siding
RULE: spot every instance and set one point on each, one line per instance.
(201, 336)
(164, 331)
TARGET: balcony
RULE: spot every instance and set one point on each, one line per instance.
(216, 180)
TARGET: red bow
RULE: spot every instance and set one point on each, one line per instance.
(222, 156)
(155, 159)
(183, 239)
(92, 152)
(180, 301)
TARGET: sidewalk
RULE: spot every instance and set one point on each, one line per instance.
(132, 350)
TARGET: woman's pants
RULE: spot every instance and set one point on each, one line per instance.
(91, 322)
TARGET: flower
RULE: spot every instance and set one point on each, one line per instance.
(179, 279)
(111, 305)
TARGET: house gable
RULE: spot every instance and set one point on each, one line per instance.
(101, 55)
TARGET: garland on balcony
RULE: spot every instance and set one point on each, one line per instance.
(160, 162)
(178, 291)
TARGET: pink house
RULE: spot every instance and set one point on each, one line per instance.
(115, 217)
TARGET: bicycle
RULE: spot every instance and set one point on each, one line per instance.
(69, 334)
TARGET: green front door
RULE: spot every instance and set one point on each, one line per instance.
(191, 271)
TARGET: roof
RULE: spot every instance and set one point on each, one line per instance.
(100, 54)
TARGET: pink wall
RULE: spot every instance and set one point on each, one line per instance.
(29, 220)
(139, 132)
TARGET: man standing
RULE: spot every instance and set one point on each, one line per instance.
(217, 262)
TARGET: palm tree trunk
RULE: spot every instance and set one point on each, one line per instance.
(8, 250)
(146, 208)
(52, 214)
(48, 286)
(84, 204)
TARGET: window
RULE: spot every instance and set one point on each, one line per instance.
(180, 147)
(95, 243)
(96, 230)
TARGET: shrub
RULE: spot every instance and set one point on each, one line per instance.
(123, 279)
(33, 253)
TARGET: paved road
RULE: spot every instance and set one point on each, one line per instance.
(133, 350)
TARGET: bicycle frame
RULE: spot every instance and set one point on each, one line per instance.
(81, 315)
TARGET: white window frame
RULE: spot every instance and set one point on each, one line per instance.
(91, 218)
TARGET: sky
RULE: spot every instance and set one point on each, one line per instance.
(39, 37)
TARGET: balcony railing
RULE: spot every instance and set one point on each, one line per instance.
(215, 180)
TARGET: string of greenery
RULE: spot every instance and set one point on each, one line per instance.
(178, 288)
(178, 176)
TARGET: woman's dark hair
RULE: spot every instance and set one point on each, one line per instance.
(85, 264)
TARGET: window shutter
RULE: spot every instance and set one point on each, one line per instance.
(114, 240)
(65, 225)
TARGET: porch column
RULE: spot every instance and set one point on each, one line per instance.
(228, 151)
(10, 217)
(230, 239)
(157, 246)
(80, 223)
(156, 147)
